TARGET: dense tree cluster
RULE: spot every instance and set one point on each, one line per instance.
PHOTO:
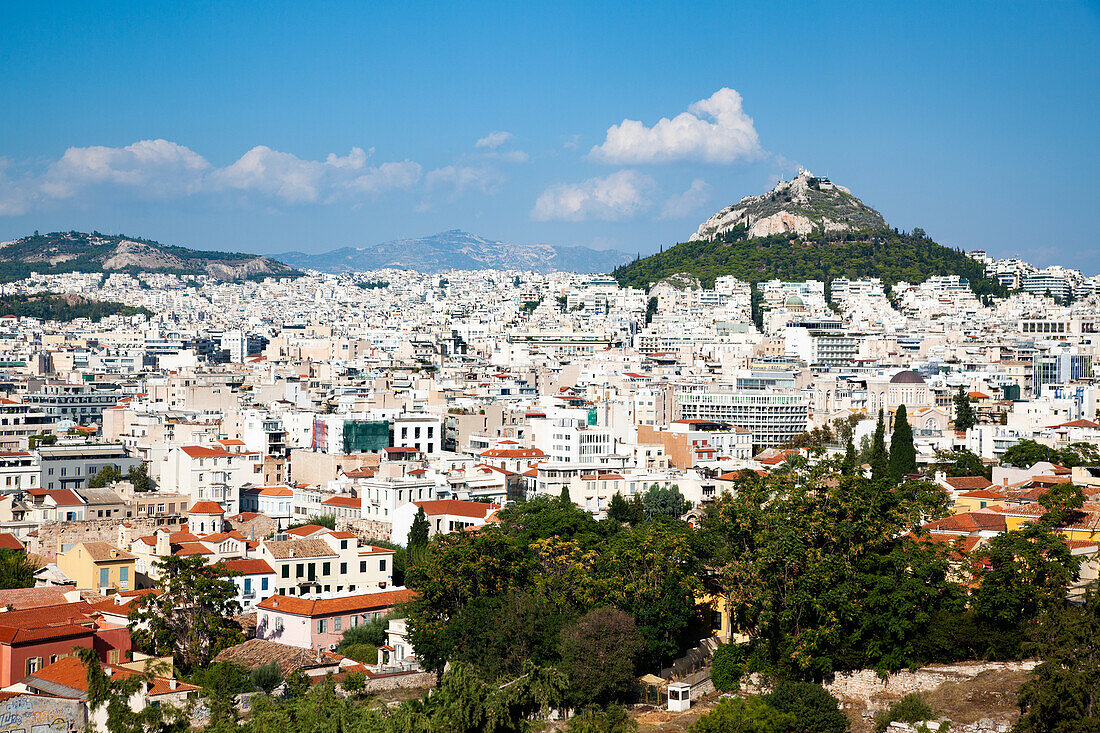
(49, 307)
(886, 253)
(1027, 453)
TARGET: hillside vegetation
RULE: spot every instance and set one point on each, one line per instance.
(885, 253)
(60, 252)
(49, 307)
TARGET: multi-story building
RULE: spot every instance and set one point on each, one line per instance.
(773, 417)
(327, 562)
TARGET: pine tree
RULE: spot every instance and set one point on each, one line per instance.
(964, 411)
(880, 461)
(565, 500)
(903, 455)
(418, 533)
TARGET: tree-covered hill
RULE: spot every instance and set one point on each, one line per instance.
(49, 307)
(885, 253)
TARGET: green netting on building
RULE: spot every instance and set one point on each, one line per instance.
(366, 435)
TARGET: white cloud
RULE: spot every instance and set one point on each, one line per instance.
(152, 167)
(508, 156)
(457, 180)
(621, 195)
(494, 140)
(714, 130)
(162, 169)
(686, 203)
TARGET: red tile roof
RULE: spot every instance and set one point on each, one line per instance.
(456, 507)
(249, 566)
(350, 502)
(967, 483)
(359, 602)
(206, 507)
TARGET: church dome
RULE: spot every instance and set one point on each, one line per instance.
(907, 377)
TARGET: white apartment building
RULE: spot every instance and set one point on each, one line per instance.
(206, 473)
(421, 431)
(328, 562)
(773, 417)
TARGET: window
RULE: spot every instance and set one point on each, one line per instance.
(343, 568)
(124, 576)
(355, 619)
(278, 623)
(326, 568)
(113, 656)
(263, 583)
(343, 544)
(382, 565)
(286, 571)
(337, 623)
(104, 577)
(299, 570)
(363, 566)
(34, 664)
(321, 626)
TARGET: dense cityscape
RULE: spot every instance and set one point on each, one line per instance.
(505, 368)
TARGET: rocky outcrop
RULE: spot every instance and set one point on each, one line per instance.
(800, 205)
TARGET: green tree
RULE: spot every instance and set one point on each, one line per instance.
(1021, 573)
(964, 411)
(910, 709)
(321, 520)
(16, 569)
(418, 533)
(813, 708)
(880, 461)
(597, 653)
(743, 715)
(665, 501)
(903, 454)
(266, 677)
(619, 509)
(612, 720)
(850, 462)
(114, 695)
(139, 476)
(650, 310)
(190, 617)
(823, 573)
(961, 463)
(726, 667)
(105, 477)
(354, 683)
(1063, 692)
(565, 500)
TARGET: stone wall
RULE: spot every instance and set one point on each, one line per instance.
(366, 529)
(401, 681)
(866, 687)
(48, 538)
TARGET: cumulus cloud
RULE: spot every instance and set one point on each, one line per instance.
(153, 167)
(713, 130)
(686, 203)
(161, 169)
(494, 140)
(621, 195)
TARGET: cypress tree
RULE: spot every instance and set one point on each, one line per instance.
(848, 467)
(903, 455)
(418, 533)
(880, 462)
(565, 500)
(619, 510)
(964, 411)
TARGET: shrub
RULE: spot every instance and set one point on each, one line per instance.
(726, 667)
(814, 709)
(267, 677)
(910, 709)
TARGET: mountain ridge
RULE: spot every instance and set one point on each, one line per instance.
(72, 251)
(456, 249)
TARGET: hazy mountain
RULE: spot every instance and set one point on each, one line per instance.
(81, 252)
(458, 250)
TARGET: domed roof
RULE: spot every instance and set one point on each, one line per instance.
(795, 300)
(907, 377)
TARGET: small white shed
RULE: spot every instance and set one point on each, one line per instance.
(679, 697)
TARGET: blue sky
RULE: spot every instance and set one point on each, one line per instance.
(270, 127)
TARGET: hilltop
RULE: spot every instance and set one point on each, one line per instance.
(806, 228)
(60, 252)
(457, 250)
(800, 205)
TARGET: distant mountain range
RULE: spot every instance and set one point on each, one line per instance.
(59, 252)
(457, 250)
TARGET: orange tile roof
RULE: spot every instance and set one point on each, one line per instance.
(206, 507)
(249, 566)
(456, 507)
(298, 606)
